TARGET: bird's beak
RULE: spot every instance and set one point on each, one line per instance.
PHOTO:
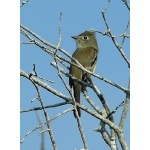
(74, 37)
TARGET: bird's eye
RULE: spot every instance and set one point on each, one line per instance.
(85, 37)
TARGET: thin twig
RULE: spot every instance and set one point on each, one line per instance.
(49, 106)
(23, 3)
(107, 34)
(91, 102)
(41, 126)
(81, 131)
(126, 3)
(107, 5)
(60, 114)
(45, 86)
(31, 131)
(42, 146)
(101, 97)
(46, 117)
(122, 103)
(125, 110)
(124, 35)
(114, 41)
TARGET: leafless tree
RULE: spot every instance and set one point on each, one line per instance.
(111, 131)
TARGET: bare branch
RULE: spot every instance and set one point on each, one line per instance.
(60, 114)
(104, 134)
(91, 102)
(46, 117)
(107, 34)
(114, 41)
(101, 97)
(100, 117)
(42, 147)
(44, 41)
(29, 132)
(107, 5)
(23, 3)
(126, 3)
(45, 86)
(124, 35)
(122, 140)
(125, 110)
(36, 75)
(107, 109)
(95, 75)
(81, 130)
(49, 106)
(41, 126)
(115, 109)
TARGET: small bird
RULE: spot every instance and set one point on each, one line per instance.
(86, 54)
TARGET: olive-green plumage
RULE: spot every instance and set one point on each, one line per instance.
(86, 54)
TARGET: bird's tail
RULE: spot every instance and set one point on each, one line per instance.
(77, 89)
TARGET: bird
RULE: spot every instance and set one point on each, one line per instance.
(86, 54)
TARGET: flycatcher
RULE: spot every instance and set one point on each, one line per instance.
(86, 54)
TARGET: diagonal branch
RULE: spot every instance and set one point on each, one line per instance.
(49, 106)
(23, 3)
(45, 86)
(126, 3)
(125, 110)
(46, 116)
(114, 41)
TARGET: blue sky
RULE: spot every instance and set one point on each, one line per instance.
(77, 16)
